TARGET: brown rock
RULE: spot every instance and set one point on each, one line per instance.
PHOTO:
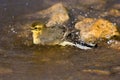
(57, 15)
(115, 44)
(111, 12)
(92, 30)
(114, 12)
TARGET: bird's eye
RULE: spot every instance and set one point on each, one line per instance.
(35, 28)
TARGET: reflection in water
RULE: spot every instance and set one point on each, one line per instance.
(58, 63)
(51, 54)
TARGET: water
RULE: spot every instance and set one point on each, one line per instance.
(21, 60)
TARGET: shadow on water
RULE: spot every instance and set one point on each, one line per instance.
(21, 60)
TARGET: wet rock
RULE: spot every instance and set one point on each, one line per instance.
(111, 12)
(97, 71)
(115, 44)
(57, 15)
(92, 30)
(114, 12)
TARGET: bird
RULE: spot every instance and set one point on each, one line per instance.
(46, 35)
(57, 35)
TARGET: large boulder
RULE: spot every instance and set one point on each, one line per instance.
(92, 30)
(57, 15)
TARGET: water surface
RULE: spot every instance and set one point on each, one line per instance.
(21, 60)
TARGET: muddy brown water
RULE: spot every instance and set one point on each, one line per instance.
(19, 61)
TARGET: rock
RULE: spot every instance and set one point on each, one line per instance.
(92, 30)
(114, 44)
(57, 15)
(114, 12)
